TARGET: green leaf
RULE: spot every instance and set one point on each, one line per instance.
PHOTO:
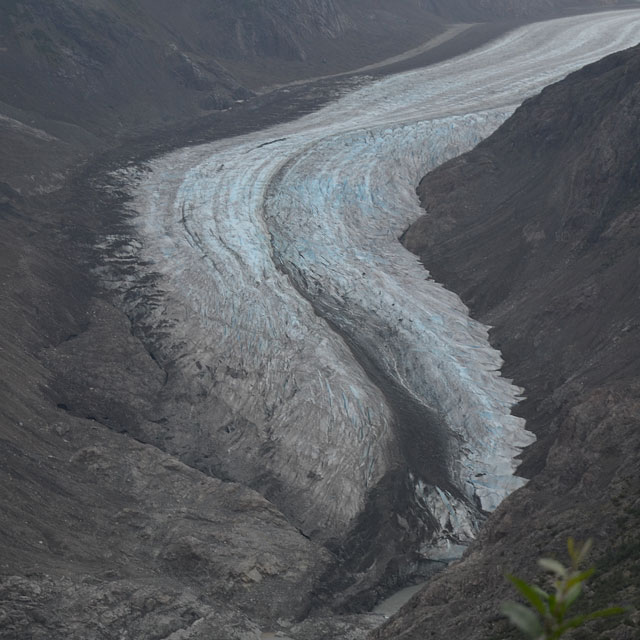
(523, 618)
(530, 593)
(583, 576)
(603, 613)
(606, 613)
(548, 564)
(572, 594)
(570, 624)
(571, 546)
(541, 592)
(585, 550)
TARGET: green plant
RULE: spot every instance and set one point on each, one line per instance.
(546, 616)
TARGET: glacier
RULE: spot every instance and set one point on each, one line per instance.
(320, 343)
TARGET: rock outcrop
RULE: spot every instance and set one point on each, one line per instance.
(538, 230)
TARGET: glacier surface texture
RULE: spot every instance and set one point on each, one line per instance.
(323, 356)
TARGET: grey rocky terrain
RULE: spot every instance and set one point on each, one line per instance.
(103, 535)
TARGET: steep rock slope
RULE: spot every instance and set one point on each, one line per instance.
(76, 76)
(87, 73)
(112, 67)
(538, 230)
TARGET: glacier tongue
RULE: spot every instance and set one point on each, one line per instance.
(334, 213)
(283, 279)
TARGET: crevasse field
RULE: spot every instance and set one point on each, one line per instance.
(283, 276)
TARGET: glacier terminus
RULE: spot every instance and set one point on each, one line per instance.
(323, 364)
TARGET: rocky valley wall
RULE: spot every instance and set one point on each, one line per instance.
(538, 230)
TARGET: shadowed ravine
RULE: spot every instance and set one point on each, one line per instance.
(323, 357)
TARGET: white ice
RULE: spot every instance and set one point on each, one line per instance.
(271, 241)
